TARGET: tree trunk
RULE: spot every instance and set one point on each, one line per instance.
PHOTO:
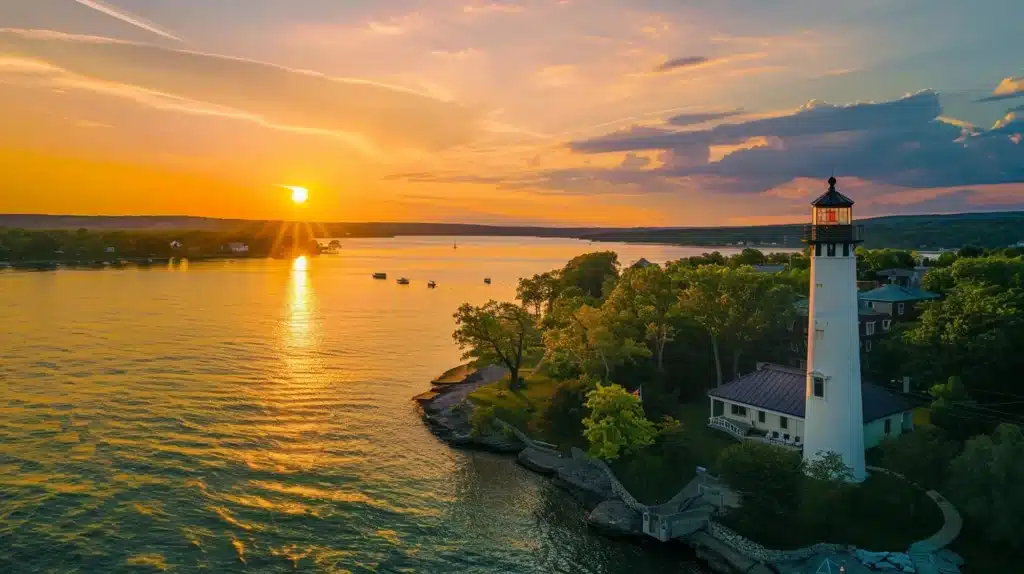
(736, 363)
(660, 350)
(514, 382)
(718, 361)
(607, 369)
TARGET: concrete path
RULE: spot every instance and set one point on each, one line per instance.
(460, 391)
(952, 523)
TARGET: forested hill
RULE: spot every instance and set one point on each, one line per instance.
(997, 229)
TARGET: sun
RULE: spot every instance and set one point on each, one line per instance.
(299, 194)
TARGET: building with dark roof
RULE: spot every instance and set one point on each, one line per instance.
(641, 263)
(897, 301)
(768, 404)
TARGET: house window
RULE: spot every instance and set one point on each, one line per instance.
(738, 410)
(817, 249)
(888, 426)
(783, 422)
(819, 387)
(886, 323)
(831, 249)
(871, 304)
(760, 416)
(869, 328)
(899, 308)
(846, 250)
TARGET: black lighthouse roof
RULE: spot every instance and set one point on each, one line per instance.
(832, 198)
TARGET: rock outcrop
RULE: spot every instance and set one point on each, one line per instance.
(614, 518)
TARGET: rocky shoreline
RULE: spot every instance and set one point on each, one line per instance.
(447, 411)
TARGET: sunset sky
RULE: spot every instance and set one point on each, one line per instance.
(634, 113)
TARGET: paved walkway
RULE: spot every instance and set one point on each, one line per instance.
(460, 391)
(952, 523)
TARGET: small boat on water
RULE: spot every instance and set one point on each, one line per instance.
(487, 280)
(431, 284)
(380, 275)
(403, 281)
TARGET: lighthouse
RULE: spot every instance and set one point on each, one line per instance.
(834, 419)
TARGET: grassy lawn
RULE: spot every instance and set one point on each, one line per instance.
(521, 406)
(883, 513)
(657, 473)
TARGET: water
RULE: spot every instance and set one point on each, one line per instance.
(256, 416)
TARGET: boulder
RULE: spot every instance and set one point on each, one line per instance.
(950, 557)
(542, 461)
(615, 518)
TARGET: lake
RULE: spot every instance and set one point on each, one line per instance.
(255, 415)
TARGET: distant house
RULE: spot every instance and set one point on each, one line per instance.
(903, 277)
(236, 247)
(872, 325)
(896, 301)
(176, 244)
(768, 405)
(109, 250)
(641, 264)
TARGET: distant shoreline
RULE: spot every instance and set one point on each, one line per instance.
(918, 232)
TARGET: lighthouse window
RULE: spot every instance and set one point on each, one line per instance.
(831, 249)
(819, 387)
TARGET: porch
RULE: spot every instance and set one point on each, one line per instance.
(743, 432)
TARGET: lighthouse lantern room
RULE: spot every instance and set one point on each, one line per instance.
(834, 420)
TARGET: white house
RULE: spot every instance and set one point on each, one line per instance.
(238, 247)
(175, 244)
(769, 405)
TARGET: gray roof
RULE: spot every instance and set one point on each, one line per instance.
(897, 294)
(784, 390)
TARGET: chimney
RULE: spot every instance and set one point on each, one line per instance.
(906, 385)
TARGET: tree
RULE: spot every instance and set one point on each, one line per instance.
(749, 256)
(829, 467)
(734, 306)
(591, 272)
(647, 297)
(562, 419)
(985, 484)
(589, 338)
(922, 456)
(616, 424)
(502, 333)
(769, 478)
(538, 292)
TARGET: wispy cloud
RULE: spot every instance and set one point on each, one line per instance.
(684, 62)
(492, 6)
(128, 18)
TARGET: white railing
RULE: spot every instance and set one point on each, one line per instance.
(724, 424)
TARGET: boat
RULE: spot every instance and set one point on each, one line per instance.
(487, 280)
(455, 245)
(380, 275)
(403, 281)
(431, 284)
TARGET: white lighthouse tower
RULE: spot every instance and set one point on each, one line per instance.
(833, 418)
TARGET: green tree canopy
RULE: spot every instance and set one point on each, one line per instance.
(591, 272)
(647, 299)
(616, 424)
(922, 456)
(985, 483)
(768, 477)
(497, 333)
